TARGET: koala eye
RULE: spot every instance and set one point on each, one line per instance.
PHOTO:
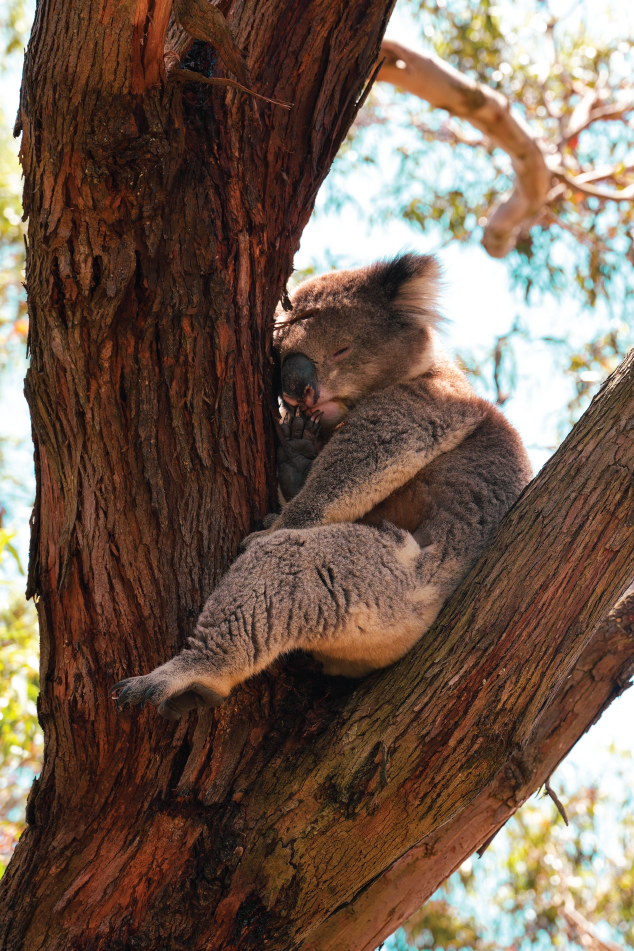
(339, 353)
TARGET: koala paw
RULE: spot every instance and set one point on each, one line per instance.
(296, 454)
(172, 701)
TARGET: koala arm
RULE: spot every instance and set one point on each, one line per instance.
(389, 438)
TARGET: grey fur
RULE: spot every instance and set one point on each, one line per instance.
(427, 465)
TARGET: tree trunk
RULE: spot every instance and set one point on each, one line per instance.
(162, 226)
(162, 229)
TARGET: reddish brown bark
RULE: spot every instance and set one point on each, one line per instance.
(163, 225)
(601, 674)
(162, 228)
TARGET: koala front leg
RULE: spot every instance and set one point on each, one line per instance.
(387, 440)
(296, 454)
(355, 596)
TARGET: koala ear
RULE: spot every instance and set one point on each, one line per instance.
(411, 283)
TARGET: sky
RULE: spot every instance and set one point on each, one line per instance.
(478, 303)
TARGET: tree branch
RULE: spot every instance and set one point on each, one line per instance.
(580, 117)
(439, 750)
(578, 183)
(583, 120)
(601, 674)
(585, 929)
(445, 88)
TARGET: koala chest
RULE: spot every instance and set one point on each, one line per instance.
(407, 507)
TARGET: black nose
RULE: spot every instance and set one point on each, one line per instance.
(299, 378)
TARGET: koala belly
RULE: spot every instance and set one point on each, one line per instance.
(409, 508)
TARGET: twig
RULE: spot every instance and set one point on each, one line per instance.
(602, 172)
(189, 76)
(555, 798)
(580, 117)
(626, 194)
(580, 233)
(585, 929)
(603, 114)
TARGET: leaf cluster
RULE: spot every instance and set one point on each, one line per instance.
(21, 740)
(14, 27)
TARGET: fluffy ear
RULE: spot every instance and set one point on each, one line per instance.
(411, 283)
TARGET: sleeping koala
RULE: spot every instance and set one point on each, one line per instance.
(415, 474)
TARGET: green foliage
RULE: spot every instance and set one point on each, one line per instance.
(550, 886)
(450, 176)
(592, 363)
(445, 177)
(586, 365)
(21, 738)
(15, 22)
(13, 320)
(439, 925)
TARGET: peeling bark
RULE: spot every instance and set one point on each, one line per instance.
(162, 229)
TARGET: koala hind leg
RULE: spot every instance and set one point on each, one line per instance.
(357, 597)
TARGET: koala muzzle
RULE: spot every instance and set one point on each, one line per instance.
(299, 380)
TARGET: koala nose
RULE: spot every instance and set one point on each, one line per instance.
(299, 380)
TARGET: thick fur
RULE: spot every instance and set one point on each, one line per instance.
(394, 510)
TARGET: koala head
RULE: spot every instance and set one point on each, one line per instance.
(352, 332)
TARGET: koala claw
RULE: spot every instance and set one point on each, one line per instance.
(139, 690)
(295, 456)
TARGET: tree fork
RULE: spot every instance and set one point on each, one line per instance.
(161, 232)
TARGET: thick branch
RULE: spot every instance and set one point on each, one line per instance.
(466, 704)
(445, 88)
(600, 675)
(302, 819)
(162, 228)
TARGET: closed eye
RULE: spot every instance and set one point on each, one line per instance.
(340, 353)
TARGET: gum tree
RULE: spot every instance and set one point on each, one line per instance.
(164, 211)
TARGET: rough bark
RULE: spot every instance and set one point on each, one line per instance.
(163, 224)
(161, 231)
(599, 677)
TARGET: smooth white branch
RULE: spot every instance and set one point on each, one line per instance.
(444, 87)
(540, 180)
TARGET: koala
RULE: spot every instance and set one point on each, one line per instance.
(403, 476)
